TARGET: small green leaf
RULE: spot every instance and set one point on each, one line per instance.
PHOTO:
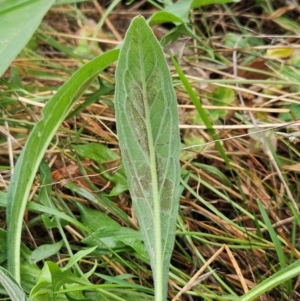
(174, 34)
(221, 96)
(117, 239)
(234, 41)
(103, 156)
(295, 113)
(148, 131)
(178, 12)
(78, 256)
(93, 219)
(45, 251)
(52, 222)
(165, 17)
(100, 200)
(51, 279)
(108, 234)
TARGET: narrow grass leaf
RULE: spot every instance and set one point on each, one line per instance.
(147, 126)
(201, 112)
(276, 242)
(281, 276)
(272, 233)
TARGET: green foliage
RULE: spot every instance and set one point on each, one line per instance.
(11, 286)
(54, 114)
(276, 242)
(201, 112)
(282, 276)
(19, 20)
(178, 12)
(147, 126)
(101, 154)
(235, 41)
(294, 113)
(221, 96)
(108, 235)
(45, 251)
(51, 279)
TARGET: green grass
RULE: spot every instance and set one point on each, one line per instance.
(71, 231)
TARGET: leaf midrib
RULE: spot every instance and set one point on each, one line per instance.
(154, 178)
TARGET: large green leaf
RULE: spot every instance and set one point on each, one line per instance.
(148, 131)
(19, 19)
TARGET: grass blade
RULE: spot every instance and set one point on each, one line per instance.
(276, 241)
(147, 125)
(281, 276)
(201, 112)
(54, 114)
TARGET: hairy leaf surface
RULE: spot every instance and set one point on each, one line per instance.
(147, 125)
